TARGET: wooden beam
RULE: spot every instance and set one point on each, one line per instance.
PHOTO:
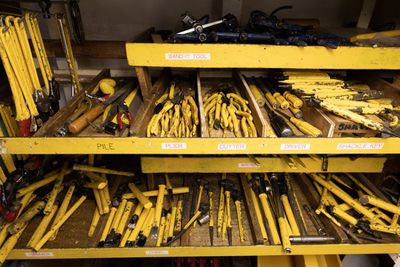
(144, 78)
(366, 13)
(90, 49)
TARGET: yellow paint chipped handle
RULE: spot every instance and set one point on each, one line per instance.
(57, 226)
(139, 195)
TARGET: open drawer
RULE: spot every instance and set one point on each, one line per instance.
(81, 104)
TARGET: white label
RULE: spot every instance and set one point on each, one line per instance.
(295, 146)
(173, 146)
(248, 165)
(232, 146)
(187, 56)
(39, 254)
(359, 146)
(156, 252)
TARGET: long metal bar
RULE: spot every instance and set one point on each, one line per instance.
(220, 146)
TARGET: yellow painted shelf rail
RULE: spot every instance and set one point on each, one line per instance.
(200, 146)
(76, 253)
(261, 56)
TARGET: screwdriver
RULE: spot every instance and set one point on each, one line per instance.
(279, 125)
(303, 126)
(268, 95)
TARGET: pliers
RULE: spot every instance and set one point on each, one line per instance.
(123, 110)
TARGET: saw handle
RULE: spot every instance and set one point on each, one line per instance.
(83, 121)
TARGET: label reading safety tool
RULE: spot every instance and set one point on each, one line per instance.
(173, 146)
(187, 56)
(295, 146)
(156, 252)
(232, 146)
(248, 165)
(39, 254)
(359, 146)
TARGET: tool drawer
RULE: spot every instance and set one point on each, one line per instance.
(275, 213)
(80, 118)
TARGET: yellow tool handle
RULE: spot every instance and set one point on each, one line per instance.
(148, 223)
(281, 100)
(95, 185)
(260, 100)
(154, 193)
(63, 29)
(139, 225)
(9, 245)
(109, 222)
(228, 208)
(290, 216)
(211, 213)
(220, 215)
(125, 238)
(138, 209)
(159, 205)
(284, 235)
(192, 220)
(125, 217)
(373, 35)
(169, 222)
(306, 127)
(95, 221)
(54, 192)
(240, 220)
(178, 217)
(86, 168)
(83, 121)
(39, 39)
(365, 199)
(270, 218)
(259, 216)
(172, 222)
(48, 178)
(200, 193)
(344, 215)
(272, 101)
(41, 228)
(28, 19)
(294, 100)
(26, 49)
(63, 208)
(352, 116)
(161, 231)
(66, 216)
(118, 214)
(139, 195)
(99, 202)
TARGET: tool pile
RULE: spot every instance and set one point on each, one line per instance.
(114, 100)
(34, 103)
(175, 114)
(227, 110)
(261, 28)
(351, 100)
(285, 223)
(362, 212)
(168, 219)
(283, 108)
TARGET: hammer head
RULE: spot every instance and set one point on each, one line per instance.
(236, 195)
(227, 184)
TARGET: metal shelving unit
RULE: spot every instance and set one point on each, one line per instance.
(228, 56)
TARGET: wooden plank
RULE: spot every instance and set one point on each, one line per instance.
(144, 79)
(88, 49)
(203, 122)
(367, 11)
(138, 127)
